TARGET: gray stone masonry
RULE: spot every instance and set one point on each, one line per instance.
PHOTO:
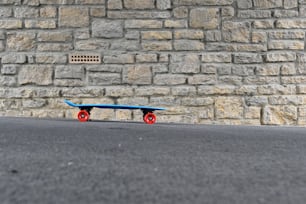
(206, 61)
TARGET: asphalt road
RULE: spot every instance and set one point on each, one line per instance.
(64, 161)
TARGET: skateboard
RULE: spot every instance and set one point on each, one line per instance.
(83, 116)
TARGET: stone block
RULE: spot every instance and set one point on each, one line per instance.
(2, 46)
(48, 113)
(34, 103)
(21, 41)
(263, 24)
(107, 28)
(244, 70)
(213, 36)
(289, 4)
(156, 35)
(9, 69)
(35, 74)
(56, 36)
(288, 69)
(114, 4)
(13, 59)
(259, 37)
(48, 12)
(189, 34)
(136, 4)
(290, 23)
(254, 14)
(285, 14)
(202, 2)
(229, 107)
(125, 45)
(9, 81)
(157, 45)
(138, 74)
(91, 44)
(81, 92)
(163, 4)
(69, 82)
(230, 80)
(146, 58)
(160, 68)
(132, 35)
(176, 24)
(202, 79)
(227, 12)
(100, 78)
(253, 113)
(90, 2)
(31, 2)
(293, 80)
(75, 17)
(69, 72)
(60, 47)
(105, 68)
(183, 91)
(244, 4)
(10, 23)
(61, 2)
(247, 58)
(134, 101)
(26, 12)
(180, 12)
(98, 11)
(280, 57)
(143, 23)
(286, 100)
(217, 58)
(165, 101)
(82, 33)
(119, 59)
(261, 80)
(169, 79)
(212, 68)
(152, 91)
(6, 12)
(279, 115)
(184, 63)
(268, 70)
(216, 90)
(269, 4)
(2, 35)
(206, 18)
(40, 24)
(197, 101)
(287, 35)
(119, 91)
(130, 14)
(188, 45)
(286, 45)
(236, 31)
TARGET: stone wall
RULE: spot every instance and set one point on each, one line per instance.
(207, 61)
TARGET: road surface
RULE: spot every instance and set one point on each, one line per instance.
(64, 161)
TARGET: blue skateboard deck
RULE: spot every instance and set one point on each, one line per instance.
(85, 109)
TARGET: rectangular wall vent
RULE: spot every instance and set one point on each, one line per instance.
(84, 59)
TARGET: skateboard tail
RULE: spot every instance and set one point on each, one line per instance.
(69, 103)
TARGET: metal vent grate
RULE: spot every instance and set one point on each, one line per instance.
(84, 59)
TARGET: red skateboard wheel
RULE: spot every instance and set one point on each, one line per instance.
(83, 116)
(149, 118)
